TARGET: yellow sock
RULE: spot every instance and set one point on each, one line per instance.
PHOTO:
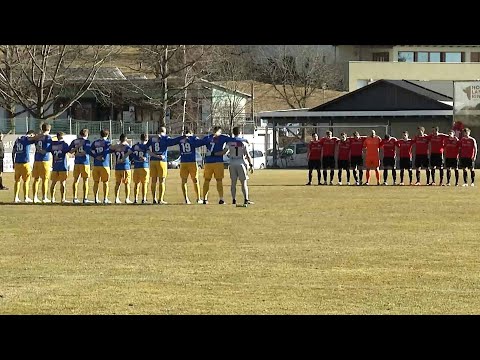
(127, 191)
(220, 188)
(16, 188)
(162, 189)
(62, 190)
(196, 187)
(52, 192)
(117, 190)
(184, 188)
(136, 190)
(144, 191)
(26, 186)
(85, 188)
(154, 190)
(105, 190)
(95, 190)
(35, 187)
(75, 188)
(44, 187)
(206, 186)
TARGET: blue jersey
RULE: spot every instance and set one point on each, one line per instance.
(101, 148)
(59, 150)
(188, 147)
(214, 144)
(159, 144)
(22, 150)
(45, 144)
(139, 151)
(82, 155)
(119, 153)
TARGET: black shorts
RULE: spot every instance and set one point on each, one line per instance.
(421, 161)
(389, 162)
(356, 161)
(405, 163)
(451, 163)
(436, 160)
(344, 164)
(466, 163)
(314, 164)
(328, 162)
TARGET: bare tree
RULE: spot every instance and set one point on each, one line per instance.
(296, 74)
(230, 69)
(36, 76)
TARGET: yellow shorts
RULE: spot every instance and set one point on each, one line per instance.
(59, 176)
(23, 171)
(216, 170)
(123, 176)
(372, 163)
(101, 173)
(158, 169)
(140, 175)
(81, 170)
(189, 168)
(42, 169)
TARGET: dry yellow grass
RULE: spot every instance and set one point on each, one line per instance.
(298, 250)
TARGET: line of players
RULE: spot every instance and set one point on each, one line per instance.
(148, 159)
(429, 155)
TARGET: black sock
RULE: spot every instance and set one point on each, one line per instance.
(433, 175)
(465, 176)
(319, 176)
(1, 180)
(457, 175)
(417, 173)
(441, 176)
(361, 174)
(428, 175)
(309, 176)
(472, 175)
(410, 175)
(340, 175)
(449, 175)
(348, 175)
(332, 171)
(402, 173)
(355, 176)
(325, 175)
(394, 175)
(385, 174)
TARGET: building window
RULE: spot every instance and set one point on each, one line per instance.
(421, 57)
(475, 57)
(451, 57)
(405, 56)
(434, 57)
(380, 56)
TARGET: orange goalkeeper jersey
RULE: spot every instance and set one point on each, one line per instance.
(372, 144)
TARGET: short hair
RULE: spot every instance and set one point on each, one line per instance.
(236, 130)
(84, 132)
(467, 130)
(314, 133)
(328, 132)
(216, 128)
(46, 127)
(405, 132)
(104, 133)
(30, 132)
(436, 128)
(143, 137)
(452, 131)
(421, 128)
(343, 134)
(60, 135)
(187, 131)
(123, 137)
(355, 133)
(387, 136)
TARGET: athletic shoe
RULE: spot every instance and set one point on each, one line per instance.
(319, 183)
(395, 183)
(97, 201)
(161, 202)
(366, 184)
(443, 185)
(339, 184)
(46, 201)
(348, 184)
(199, 201)
(357, 183)
(3, 188)
(36, 200)
(456, 184)
(432, 184)
(234, 202)
(331, 183)
(465, 185)
(17, 201)
(155, 201)
(417, 183)
(472, 184)
(135, 202)
(145, 202)
(128, 201)
(106, 201)
(117, 201)
(188, 202)
(205, 202)
(448, 184)
(65, 202)
(324, 183)
(401, 184)
(221, 202)
(86, 201)
(76, 201)
(28, 200)
(248, 202)
(386, 184)
(309, 183)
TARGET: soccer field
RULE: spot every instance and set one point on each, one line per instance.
(298, 250)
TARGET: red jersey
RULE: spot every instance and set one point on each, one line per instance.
(437, 143)
(356, 146)
(421, 144)
(451, 147)
(344, 150)
(388, 147)
(405, 148)
(467, 147)
(328, 146)
(315, 148)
